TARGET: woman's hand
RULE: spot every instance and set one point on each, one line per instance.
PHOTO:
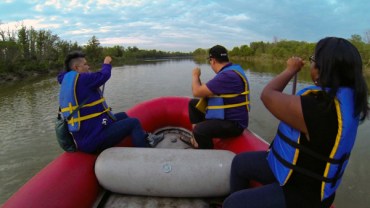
(285, 107)
(107, 60)
(294, 64)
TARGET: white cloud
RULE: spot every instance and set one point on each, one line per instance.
(50, 3)
(40, 23)
(239, 17)
(81, 31)
(187, 24)
(125, 3)
(125, 40)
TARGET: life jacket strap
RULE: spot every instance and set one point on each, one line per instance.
(306, 172)
(101, 100)
(83, 118)
(71, 108)
(312, 153)
(231, 95)
(228, 106)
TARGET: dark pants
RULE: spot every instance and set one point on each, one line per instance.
(205, 130)
(124, 126)
(253, 166)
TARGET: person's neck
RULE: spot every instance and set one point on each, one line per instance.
(220, 66)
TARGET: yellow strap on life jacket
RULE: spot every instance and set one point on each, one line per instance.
(79, 119)
(202, 105)
(246, 92)
(228, 106)
(230, 95)
(336, 144)
(94, 103)
(71, 108)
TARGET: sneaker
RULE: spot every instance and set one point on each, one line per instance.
(153, 139)
(189, 141)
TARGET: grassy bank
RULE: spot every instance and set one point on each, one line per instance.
(20, 75)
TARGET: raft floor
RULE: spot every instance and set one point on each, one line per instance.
(125, 201)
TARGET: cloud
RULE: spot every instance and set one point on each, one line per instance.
(51, 3)
(38, 23)
(239, 17)
(190, 24)
(125, 41)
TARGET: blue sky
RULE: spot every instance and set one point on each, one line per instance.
(186, 25)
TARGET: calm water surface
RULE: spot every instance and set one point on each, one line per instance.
(28, 110)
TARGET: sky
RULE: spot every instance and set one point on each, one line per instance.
(185, 25)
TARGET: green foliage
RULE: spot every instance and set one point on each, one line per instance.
(28, 51)
(93, 50)
(283, 49)
(364, 48)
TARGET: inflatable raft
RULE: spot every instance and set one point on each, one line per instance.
(170, 170)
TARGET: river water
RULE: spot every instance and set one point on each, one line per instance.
(28, 110)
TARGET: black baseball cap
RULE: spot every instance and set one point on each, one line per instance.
(219, 53)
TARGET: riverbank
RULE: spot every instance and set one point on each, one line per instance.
(13, 77)
(25, 75)
(18, 77)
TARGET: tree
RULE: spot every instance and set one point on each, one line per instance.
(32, 43)
(245, 50)
(367, 37)
(115, 51)
(23, 42)
(93, 50)
(27, 50)
(200, 52)
(235, 51)
(258, 47)
(356, 38)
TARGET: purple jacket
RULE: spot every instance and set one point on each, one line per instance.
(87, 86)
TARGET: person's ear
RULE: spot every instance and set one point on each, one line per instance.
(315, 75)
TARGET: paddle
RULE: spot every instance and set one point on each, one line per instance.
(102, 90)
(294, 84)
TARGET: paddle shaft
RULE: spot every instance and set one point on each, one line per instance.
(294, 84)
(102, 90)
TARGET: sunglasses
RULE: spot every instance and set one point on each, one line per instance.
(312, 59)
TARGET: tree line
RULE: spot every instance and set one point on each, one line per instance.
(280, 50)
(28, 51)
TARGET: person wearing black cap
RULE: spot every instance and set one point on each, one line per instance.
(222, 110)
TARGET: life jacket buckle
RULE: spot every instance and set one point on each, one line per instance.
(104, 121)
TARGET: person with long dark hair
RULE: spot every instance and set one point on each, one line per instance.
(308, 156)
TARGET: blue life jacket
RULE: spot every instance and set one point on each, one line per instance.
(68, 103)
(215, 104)
(285, 149)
